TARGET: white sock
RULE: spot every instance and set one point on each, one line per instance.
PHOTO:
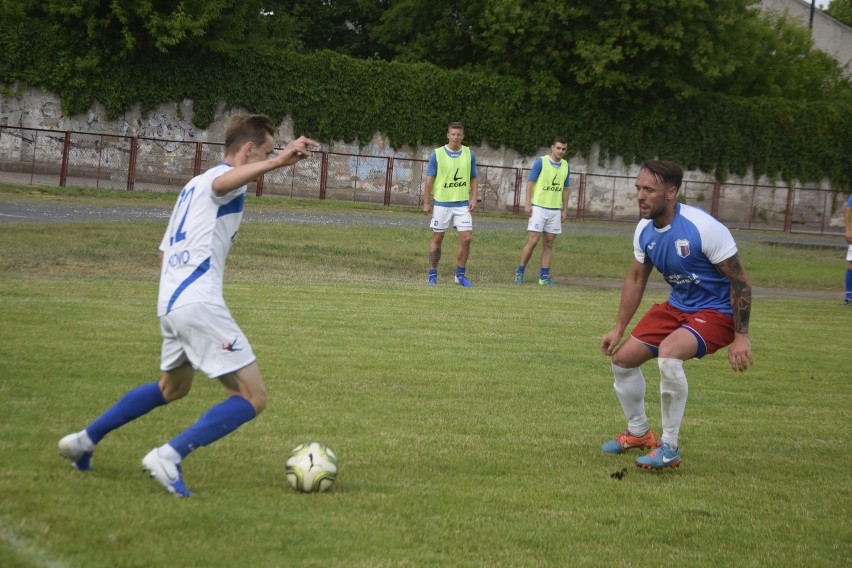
(85, 441)
(167, 452)
(630, 387)
(673, 392)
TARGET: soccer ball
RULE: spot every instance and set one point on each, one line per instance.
(311, 468)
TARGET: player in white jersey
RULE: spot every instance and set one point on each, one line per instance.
(708, 308)
(197, 328)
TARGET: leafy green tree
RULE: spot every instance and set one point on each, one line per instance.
(840, 10)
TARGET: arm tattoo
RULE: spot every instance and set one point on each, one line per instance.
(740, 291)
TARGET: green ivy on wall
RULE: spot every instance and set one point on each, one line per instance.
(335, 97)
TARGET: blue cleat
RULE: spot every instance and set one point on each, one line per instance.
(463, 281)
(545, 282)
(661, 457)
(166, 473)
(72, 449)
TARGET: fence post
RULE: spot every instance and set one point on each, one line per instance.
(714, 199)
(388, 181)
(63, 170)
(131, 167)
(323, 174)
(581, 198)
(196, 164)
(516, 202)
(258, 190)
(788, 213)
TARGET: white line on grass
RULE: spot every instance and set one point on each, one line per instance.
(26, 549)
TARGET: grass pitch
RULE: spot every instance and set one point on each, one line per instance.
(467, 422)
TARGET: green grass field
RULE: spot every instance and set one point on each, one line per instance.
(467, 422)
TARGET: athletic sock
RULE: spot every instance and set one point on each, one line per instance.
(433, 272)
(219, 421)
(849, 284)
(673, 393)
(630, 388)
(131, 406)
(459, 271)
(545, 273)
(521, 269)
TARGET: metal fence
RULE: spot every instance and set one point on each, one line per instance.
(130, 163)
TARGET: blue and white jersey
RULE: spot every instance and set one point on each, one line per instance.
(200, 233)
(685, 253)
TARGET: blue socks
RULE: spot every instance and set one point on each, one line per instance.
(521, 269)
(545, 273)
(849, 284)
(131, 406)
(459, 271)
(219, 421)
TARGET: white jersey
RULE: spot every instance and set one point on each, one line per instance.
(197, 240)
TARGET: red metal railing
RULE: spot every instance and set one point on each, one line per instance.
(113, 162)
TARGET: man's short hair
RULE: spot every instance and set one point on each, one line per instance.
(244, 128)
(668, 173)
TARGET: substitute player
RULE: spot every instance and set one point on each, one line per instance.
(546, 206)
(197, 328)
(708, 308)
(451, 181)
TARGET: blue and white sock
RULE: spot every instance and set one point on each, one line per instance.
(131, 406)
(521, 269)
(849, 284)
(219, 421)
(459, 271)
(545, 273)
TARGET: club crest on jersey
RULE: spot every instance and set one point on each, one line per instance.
(682, 248)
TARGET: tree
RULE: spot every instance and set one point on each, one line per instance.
(840, 10)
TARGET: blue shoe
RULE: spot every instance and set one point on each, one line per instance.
(166, 473)
(432, 279)
(72, 449)
(661, 457)
(519, 278)
(463, 281)
(545, 282)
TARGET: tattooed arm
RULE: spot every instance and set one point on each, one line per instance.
(739, 352)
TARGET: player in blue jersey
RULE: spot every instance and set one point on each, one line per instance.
(847, 220)
(451, 181)
(546, 206)
(197, 328)
(708, 308)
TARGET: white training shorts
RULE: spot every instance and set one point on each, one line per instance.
(443, 217)
(849, 254)
(205, 335)
(544, 220)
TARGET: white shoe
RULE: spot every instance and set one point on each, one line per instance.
(72, 449)
(167, 473)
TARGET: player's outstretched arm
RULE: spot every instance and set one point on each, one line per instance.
(739, 352)
(296, 150)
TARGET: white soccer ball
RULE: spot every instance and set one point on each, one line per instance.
(311, 468)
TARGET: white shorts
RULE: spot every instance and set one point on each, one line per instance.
(443, 216)
(205, 335)
(545, 220)
(849, 254)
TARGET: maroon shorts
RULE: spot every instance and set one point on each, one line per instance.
(711, 328)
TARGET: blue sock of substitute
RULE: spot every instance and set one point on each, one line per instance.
(459, 271)
(521, 269)
(545, 273)
(217, 422)
(849, 284)
(131, 406)
(433, 272)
